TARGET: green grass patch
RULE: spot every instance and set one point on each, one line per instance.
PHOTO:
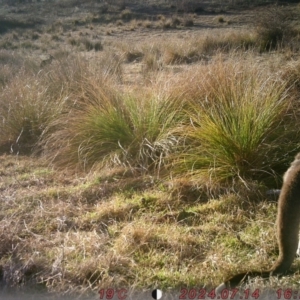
(238, 120)
(105, 127)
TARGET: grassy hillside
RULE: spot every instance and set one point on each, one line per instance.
(137, 148)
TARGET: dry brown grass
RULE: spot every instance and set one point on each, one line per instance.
(117, 227)
(80, 236)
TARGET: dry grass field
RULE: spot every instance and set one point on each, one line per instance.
(138, 140)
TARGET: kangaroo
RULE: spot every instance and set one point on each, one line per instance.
(288, 219)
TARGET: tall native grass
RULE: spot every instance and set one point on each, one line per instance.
(106, 127)
(26, 107)
(241, 126)
(229, 120)
(31, 100)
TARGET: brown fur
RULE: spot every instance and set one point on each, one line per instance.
(288, 219)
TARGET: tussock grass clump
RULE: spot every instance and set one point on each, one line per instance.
(187, 21)
(220, 42)
(274, 28)
(30, 102)
(10, 65)
(175, 21)
(106, 127)
(110, 65)
(86, 44)
(26, 108)
(132, 56)
(239, 125)
(291, 73)
(187, 50)
(152, 60)
(171, 57)
(90, 45)
(147, 24)
(126, 14)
